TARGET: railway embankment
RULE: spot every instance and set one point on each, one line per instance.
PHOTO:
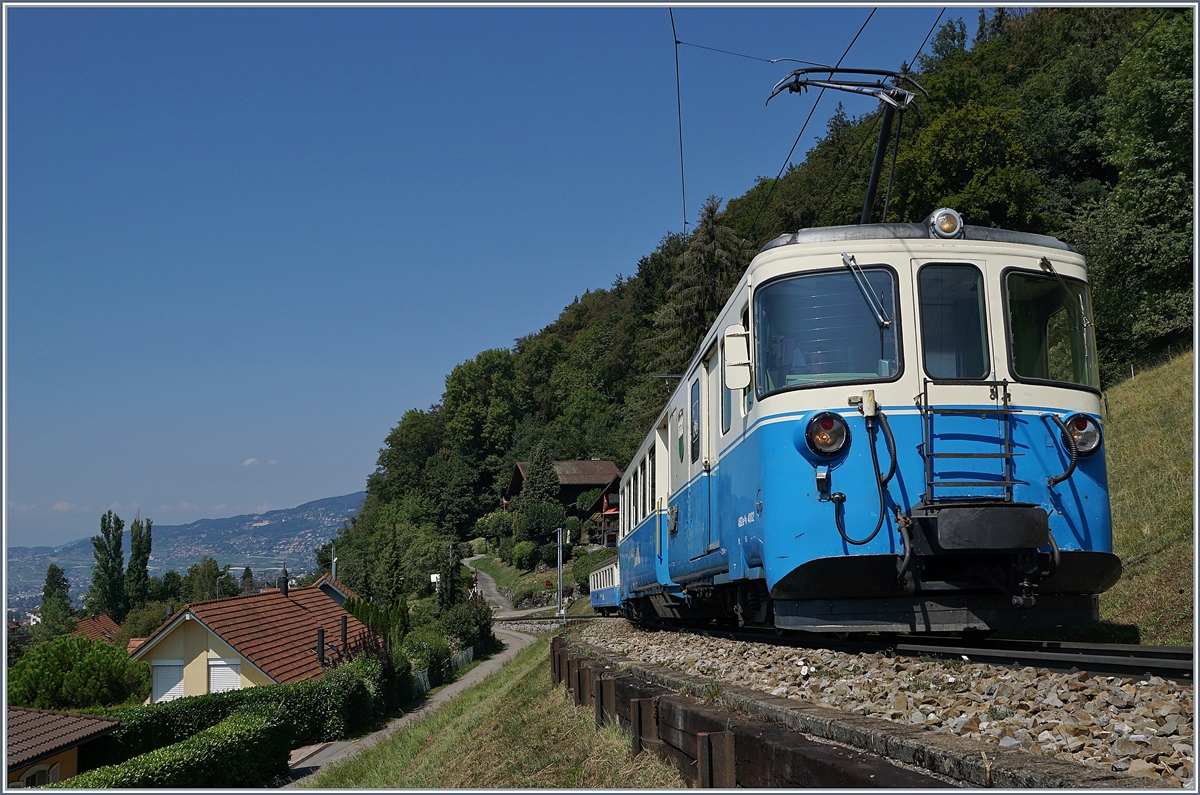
(978, 724)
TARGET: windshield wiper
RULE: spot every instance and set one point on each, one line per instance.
(873, 301)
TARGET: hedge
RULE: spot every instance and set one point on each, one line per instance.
(348, 698)
(249, 748)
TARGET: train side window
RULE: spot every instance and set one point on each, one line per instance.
(653, 478)
(645, 502)
(695, 420)
(726, 396)
(748, 392)
(953, 321)
(633, 486)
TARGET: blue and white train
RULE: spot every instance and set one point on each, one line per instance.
(889, 427)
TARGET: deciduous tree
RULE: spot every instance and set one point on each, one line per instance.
(106, 593)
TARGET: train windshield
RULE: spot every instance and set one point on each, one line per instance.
(953, 322)
(1050, 329)
(819, 329)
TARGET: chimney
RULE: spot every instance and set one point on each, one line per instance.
(344, 623)
(321, 645)
(170, 609)
(283, 583)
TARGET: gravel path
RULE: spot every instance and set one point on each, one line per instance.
(1142, 727)
(501, 606)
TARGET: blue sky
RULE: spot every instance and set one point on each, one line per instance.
(241, 242)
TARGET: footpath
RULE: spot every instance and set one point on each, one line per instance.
(306, 761)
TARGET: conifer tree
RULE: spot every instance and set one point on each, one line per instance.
(55, 612)
(541, 481)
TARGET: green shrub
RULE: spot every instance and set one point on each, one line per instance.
(428, 652)
(573, 526)
(467, 623)
(318, 710)
(479, 546)
(505, 551)
(583, 566)
(524, 555)
(72, 672)
(249, 748)
(422, 613)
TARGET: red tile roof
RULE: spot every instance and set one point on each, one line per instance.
(328, 580)
(99, 627)
(37, 733)
(276, 633)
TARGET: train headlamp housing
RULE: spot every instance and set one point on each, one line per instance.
(1086, 433)
(946, 223)
(827, 434)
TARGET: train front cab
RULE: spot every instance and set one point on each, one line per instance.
(981, 532)
(980, 356)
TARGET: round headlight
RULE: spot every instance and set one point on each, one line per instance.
(946, 223)
(1085, 432)
(827, 434)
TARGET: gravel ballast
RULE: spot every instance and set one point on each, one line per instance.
(1140, 727)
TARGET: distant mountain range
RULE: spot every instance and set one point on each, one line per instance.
(261, 541)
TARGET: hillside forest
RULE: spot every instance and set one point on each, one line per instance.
(1072, 122)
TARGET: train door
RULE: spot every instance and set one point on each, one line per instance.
(966, 433)
(696, 523)
(712, 426)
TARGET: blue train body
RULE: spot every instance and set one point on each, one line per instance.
(919, 446)
(605, 586)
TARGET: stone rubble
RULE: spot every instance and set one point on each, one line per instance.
(1144, 728)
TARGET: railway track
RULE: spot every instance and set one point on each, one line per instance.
(1175, 663)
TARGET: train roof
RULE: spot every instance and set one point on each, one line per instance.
(917, 231)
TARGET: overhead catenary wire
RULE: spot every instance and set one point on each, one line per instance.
(679, 114)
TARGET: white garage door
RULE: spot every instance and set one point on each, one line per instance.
(224, 675)
(168, 680)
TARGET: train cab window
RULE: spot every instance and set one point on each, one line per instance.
(826, 328)
(1050, 330)
(695, 421)
(953, 321)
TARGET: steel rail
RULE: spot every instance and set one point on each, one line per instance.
(1175, 663)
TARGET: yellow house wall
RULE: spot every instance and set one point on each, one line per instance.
(67, 761)
(193, 643)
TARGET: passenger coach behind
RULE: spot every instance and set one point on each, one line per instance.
(891, 427)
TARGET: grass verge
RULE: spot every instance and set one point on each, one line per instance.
(513, 729)
(1148, 438)
(1148, 426)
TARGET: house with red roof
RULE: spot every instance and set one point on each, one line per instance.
(99, 627)
(278, 636)
(41, 746)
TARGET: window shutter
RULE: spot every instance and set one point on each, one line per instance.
(168, 682)
(224, 675)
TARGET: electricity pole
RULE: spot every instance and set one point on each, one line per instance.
(561, 612)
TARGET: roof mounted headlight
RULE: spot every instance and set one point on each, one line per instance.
(946, 223)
